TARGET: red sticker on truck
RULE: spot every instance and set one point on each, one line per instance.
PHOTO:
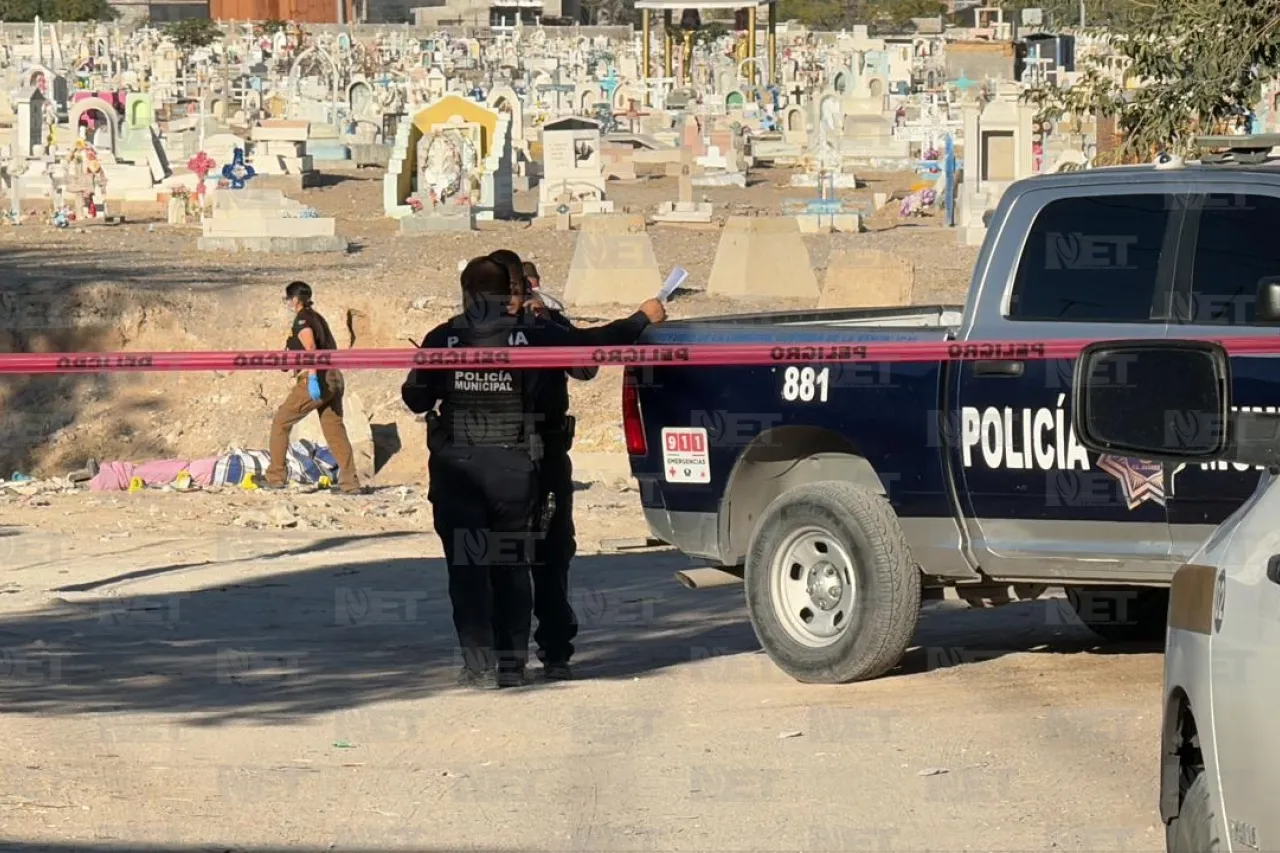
(684, 455)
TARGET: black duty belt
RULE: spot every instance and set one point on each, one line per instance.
(439, 437)
(562, 432)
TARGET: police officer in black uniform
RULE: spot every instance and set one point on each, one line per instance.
(486, 448)
(555, 548)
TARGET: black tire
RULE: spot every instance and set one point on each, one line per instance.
(885, 598)
(1121, 614)
(1198, 828)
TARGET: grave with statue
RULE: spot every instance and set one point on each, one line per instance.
(451, 166)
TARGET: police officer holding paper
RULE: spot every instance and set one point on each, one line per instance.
(487, 448)
(555, 549)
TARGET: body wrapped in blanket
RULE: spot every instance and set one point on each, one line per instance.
(307, 463)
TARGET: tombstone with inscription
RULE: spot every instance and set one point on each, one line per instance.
(573, 174)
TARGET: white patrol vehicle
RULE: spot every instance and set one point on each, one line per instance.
(1170, 402)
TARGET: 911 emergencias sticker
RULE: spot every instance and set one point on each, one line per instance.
(684, 455)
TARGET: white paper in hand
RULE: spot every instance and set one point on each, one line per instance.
(674, 280)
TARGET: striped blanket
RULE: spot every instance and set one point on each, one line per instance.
(307, 463)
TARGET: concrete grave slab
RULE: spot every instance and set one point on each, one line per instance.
(866, 278)
(762, 257)
(274, 245)
(285, 131)
(613, 262)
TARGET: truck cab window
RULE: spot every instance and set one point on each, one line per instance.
(1236, 247)
(1092, 259)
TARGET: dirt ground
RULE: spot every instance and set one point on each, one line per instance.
(236, 671)
(273, 690)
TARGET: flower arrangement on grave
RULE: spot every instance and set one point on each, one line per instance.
(201, 165)
(415, 203)
(237, 171)
(917, 202)
(180, 193)
(85, 157)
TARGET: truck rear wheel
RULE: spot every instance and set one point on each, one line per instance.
(1197, 828)
(1122, 614)
(832, 589)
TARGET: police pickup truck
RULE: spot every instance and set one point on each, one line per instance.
(845, 494)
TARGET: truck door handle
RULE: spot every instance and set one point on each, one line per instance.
(998, 368)
(1273, 569)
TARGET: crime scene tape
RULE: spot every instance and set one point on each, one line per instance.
(565, 357)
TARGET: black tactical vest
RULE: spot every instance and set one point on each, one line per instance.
(486, 404)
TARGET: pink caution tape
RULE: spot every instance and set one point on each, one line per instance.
(565, 357)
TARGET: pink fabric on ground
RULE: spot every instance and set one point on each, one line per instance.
(160, 472)
(112, 477)
(201, 470)
(115, 476)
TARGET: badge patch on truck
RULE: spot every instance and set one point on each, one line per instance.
(684, 455)
(1140, 481)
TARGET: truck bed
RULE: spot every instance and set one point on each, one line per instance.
(735, 404)
(836, 324)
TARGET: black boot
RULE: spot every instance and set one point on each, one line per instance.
(557, 671)
(512, 677)
(485, 680)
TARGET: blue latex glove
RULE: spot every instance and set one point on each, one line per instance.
(313, 387)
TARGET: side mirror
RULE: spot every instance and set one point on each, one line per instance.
(1269, 300)
(1160, 401)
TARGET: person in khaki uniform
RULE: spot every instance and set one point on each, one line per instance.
(318, 391)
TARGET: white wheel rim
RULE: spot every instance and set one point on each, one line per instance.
(814, 587)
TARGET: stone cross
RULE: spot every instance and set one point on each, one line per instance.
(686, 178)
(633, 113)
(564, 219)
(797, 93)
(686, 186)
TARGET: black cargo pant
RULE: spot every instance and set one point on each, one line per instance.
(482, 500)
(557, 623)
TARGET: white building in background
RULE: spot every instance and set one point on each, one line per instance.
(499, 14)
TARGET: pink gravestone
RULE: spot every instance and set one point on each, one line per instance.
(691, 138)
